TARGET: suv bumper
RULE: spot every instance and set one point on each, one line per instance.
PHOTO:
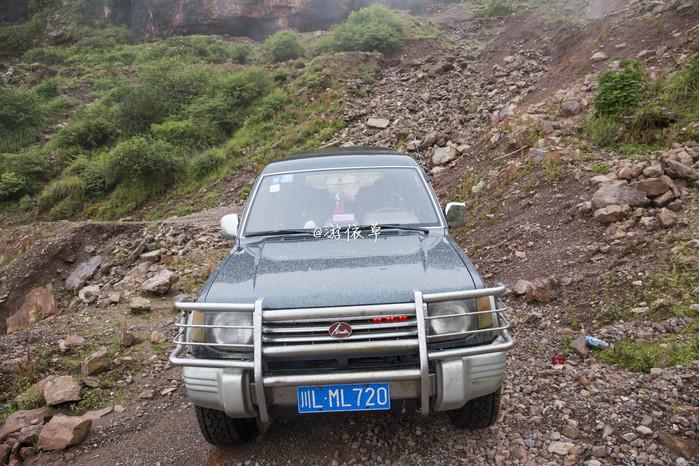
(445, 379)
(453, 382)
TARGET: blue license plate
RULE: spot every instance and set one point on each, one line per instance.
(345, 397)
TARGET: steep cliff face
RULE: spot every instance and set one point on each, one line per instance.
(13, 11)
(253, 18)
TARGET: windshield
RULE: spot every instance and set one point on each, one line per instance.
(318, 199)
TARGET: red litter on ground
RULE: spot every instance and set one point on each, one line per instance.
(558, 360)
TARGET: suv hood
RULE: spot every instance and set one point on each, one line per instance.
(293, 272)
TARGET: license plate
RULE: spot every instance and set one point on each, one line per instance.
(345, 397)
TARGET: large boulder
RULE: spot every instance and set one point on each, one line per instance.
(38, 304)
(63, 431)
(161, 282)
(21, 419)
(61, 390)
(82, 273)
(618, 193)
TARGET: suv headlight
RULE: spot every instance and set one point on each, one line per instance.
(230, 336)
(458, 317)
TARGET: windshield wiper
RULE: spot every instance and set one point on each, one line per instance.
(393, 226)
(279, 233)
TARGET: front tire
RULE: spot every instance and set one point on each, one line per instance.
(221, 430)
(478, 413)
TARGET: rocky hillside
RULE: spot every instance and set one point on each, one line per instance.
(568, 128)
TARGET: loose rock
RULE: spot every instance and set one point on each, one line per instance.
(161, 282)
(99, 361)
(63, 431)
(378, 123)
(82, 273)
(60, 390)
(139, 304)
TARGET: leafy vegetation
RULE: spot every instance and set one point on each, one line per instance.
(494, 9)
(283, 46)
(22, 117)
(634, 113)
(375, 28)
(620, 90)
(123, 122)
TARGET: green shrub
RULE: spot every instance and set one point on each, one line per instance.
(47, 88)
(620, 90)
(126, 198)
(204, 164)
(283, 45)
(48, 55)
(197, 49)
(70, 186)
(240, 53)
(163, 90)
(12, 186)
(227, 106)
(98, 39)
(88, 132)
(141, 158)
(21, 174)
(184, 133)
(495, 9)
(66, 208)
(58, 105)
(270, 105)
(96, 174)
(138, 107)
(21, 118)
(16, 39)
(375, 28)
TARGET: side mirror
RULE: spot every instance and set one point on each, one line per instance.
(229, 226)
(455, 213)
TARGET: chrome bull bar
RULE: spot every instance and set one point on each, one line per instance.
(264, 347)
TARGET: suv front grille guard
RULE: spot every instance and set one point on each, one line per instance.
(299, 333)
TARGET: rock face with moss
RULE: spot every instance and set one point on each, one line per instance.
(242, 17)
(257, 19)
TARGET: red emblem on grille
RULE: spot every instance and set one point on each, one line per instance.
(340, 330)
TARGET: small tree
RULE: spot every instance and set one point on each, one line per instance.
(284, 45)
(620, 90)
(376, 28)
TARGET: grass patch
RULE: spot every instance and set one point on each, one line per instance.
(636, 114)
(641, 356)
(34, 370)
(92, 399)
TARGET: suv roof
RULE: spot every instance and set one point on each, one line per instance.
(340, 157)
